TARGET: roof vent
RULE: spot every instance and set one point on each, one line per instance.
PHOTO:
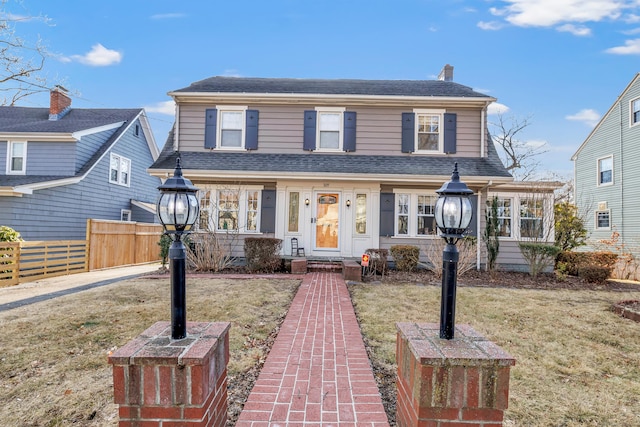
(446, 75)
(60, 103)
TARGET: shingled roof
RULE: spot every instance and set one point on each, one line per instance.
(252, 85)
(327, 164)
(36, 120)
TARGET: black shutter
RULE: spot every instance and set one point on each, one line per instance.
(408, 132)
(268, 212)
(309, 138)
(472, 229)
(387, 214)
(349, 143)
(251, 136)
(210, 127)
(450, 120)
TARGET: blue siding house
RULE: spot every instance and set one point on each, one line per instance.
(64, 166)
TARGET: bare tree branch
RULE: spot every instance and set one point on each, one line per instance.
(519, 157)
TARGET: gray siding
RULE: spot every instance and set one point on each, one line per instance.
(281, 129)
(614, 136)
(60, 213)
(51, 158)
(143, 215)
(89, 145)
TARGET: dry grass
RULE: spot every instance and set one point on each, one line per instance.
(53, 355)
(578, 364)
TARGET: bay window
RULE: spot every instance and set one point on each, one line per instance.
(415, 214)
(230, 209)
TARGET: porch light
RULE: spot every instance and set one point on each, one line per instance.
(306, 202)
(453, 214)
(178, 209)
(348, 203)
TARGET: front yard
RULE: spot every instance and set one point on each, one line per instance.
(578, 363)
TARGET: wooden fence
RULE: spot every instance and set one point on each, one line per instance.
(108, 244)
(116, 243)
(27, 261)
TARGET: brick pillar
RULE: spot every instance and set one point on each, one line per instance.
(458, 382)
(158, 381)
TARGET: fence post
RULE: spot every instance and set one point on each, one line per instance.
(88, 250)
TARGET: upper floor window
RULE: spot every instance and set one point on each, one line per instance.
(429, 134)
(120, 170)
(635, 111)
(605, 170)
(17, 158)
(329, 126)
(415, 214)
(231, 129)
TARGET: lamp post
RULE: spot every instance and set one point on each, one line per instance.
(453, 215)
(178, 209)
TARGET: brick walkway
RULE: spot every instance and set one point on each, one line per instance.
(317, 373)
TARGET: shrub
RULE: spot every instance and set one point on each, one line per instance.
(572, 262)
(406, 257)
(538, 256)
(164, 243)
(209, 252)
(8, 234)
(466, 255)
(263, 254)
(594, 273)
(377, 260)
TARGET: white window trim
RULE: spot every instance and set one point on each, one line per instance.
(412, 224)
(631, 124)
(606, 184)
(434, 112)
(511, 217)
(234, 108)
(595, 225)
(10, 156)
(117, 182)
(242, 207)
(516, 235)
(125, 211)
(330, 110)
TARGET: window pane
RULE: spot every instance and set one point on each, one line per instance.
(403, 214)
(231, 119)
(361, 214)
(636, 111)
(17, 149)
(329, 121)
(17, 164)
(428, 132)
(605, 166)
(531, 214)
(227, 210)
(329, 139)
(252, 211)
(602, 219)
(231, 138)
(294, 211)
(125, 166)
(426, 218)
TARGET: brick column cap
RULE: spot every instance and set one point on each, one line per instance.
(155, 346)
(468, 348)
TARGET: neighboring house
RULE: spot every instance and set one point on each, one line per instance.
(64, 165)
(341, 165)
(607, 172)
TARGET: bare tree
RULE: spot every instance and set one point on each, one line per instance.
(21, 61)
(519, 157)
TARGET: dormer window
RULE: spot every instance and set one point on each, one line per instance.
(17, 158)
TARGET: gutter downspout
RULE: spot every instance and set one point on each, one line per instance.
(478, 222)
(621, 174)
(482, 130)
(176, 133)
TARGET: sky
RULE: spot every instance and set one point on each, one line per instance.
(559, 64)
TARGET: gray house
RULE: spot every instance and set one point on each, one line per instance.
(607, 172)
(65, 165)
(340, 165)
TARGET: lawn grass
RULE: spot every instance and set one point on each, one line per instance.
(53, 354)
(578, 363)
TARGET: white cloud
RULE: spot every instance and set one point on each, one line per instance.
(497, 108)
(587, 116)
(631, 47)
(490, 26)
(546, 13)
(165, 107)
(576, 30)
(168, 16)
(537, 144)
(98, 56)
(631, 32)
(632, 18)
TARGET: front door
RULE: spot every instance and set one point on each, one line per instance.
(327, 229)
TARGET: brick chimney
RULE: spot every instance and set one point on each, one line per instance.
(446, 74)
(60, 103)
